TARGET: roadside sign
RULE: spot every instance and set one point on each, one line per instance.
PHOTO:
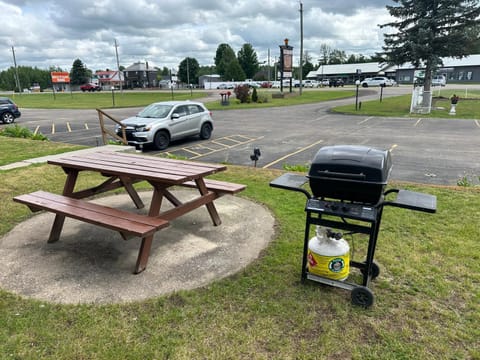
(60, 77)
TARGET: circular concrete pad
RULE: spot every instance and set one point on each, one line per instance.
(91, 264)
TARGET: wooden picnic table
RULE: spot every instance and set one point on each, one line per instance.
(124, 170)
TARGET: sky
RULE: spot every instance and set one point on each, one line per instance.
(46, 33)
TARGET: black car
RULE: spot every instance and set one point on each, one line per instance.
(8, 110)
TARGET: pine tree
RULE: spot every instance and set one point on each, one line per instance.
(79, 73)
(428, 30)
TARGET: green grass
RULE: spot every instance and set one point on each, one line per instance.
(427, 294)
(294, 98)
(467, 108)
(104, 99)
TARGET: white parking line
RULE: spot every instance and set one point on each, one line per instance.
(418, 122)
(364, 121)
(478, 124)
(291, 154)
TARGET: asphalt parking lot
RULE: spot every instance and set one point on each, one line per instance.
(434, 151)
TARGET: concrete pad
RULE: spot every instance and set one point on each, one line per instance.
(91, 264)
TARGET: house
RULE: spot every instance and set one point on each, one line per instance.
(109, 78)
(140, 75)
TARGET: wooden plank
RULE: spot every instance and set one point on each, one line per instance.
(218, 186)
(115, 219)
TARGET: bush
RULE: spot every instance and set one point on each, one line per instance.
(21, 132)
(254, 95)
(242, 92)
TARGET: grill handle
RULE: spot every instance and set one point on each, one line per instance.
(333, 174)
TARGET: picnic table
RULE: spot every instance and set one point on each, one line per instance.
(123, 170)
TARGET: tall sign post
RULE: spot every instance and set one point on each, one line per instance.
(286, 64)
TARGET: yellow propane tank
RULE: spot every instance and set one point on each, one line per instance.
(328, 255)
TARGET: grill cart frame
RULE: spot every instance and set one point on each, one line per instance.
(333, 214)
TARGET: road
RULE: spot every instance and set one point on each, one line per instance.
(432, 151)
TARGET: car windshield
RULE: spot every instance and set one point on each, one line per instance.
(155, 111)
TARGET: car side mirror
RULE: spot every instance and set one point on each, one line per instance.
(175, 116)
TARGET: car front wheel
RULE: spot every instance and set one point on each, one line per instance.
(8, 118)
(206, 132)
(162, 140)
(365, 85)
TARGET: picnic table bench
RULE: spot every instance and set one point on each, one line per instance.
(124, 170)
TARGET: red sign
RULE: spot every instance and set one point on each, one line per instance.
(60, 77)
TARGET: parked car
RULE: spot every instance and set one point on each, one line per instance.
(335, 82)
(162, 122)
(8, 110)
(90, 87)
(310, 83)
(324, 82)
(225, 86)
(376, 81)
(439, 80)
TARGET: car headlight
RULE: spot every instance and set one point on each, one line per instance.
(142, 128)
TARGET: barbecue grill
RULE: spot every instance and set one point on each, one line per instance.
(348, 183)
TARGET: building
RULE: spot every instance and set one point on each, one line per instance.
(140, 75)
(466, 70)
(109, 78)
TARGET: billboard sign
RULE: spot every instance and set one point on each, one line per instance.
(60, 77)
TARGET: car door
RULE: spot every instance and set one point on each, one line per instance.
(183, 123)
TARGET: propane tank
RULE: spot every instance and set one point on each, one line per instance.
(328, 255)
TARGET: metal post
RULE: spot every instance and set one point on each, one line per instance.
(301, 49)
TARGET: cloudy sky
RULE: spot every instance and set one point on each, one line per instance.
(48, 33)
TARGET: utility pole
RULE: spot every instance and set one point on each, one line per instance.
(301, 47)
(17, 79)
(120, 77)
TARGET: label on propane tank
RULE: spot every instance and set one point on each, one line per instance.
(332, 267)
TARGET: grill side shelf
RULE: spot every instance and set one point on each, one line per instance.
(293, 182)
(412, 200)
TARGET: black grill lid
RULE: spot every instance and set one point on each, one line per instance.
(350, 172)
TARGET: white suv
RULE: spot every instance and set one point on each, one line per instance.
(439, 80)
(162, 122)
(376, 81)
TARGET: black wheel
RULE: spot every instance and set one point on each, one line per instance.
(8, 118)
(362, 296)
(365, 85)
(162, 140)
(206, 131)
(375, 270)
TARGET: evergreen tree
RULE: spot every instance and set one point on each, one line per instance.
(188, 71)
(78, 73)
(234, 71)
(223, 57)
(247, 57)
(428, 30)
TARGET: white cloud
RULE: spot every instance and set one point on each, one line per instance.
(56, 32)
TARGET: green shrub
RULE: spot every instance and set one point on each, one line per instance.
(17, 131)
(254, 95)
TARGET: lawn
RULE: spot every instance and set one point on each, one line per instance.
(427, 297)
(468, 106)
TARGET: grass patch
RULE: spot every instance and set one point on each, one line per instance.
(427, 293)
(399, 106)
(103, 99)
(17, 149)
(289, 99)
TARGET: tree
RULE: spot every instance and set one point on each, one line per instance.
(337, 57)
(223, 57)
(78, 73)
(247, 57)
(429, 30)
(188, 71)
(234, 71)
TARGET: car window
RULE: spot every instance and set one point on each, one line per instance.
(155, 111)
(181, 110)
(194, 109)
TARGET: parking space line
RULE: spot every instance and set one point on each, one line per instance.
(86, 126)
(291, 154)
(478, 124)
(191, 151)
(418, 122)
(393, 147)
(36, 130)
(364, 121)
(53, 129)
(69, 128)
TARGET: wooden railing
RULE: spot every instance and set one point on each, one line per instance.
(107, 132)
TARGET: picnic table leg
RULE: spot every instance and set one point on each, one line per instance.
(60, 219)
(210, 206)
(128, 185)
(143, 254)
